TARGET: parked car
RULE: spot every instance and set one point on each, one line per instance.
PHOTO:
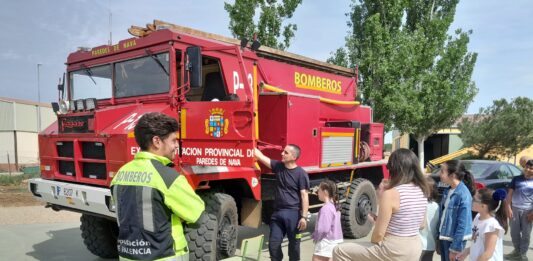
(487, 173)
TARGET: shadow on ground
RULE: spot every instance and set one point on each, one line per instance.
(65, 244)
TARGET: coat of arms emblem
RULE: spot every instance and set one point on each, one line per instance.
(216, 126)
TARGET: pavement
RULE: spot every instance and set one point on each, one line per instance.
(307, 246)
(36, 233)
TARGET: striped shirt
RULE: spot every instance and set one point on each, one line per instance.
(407, 220)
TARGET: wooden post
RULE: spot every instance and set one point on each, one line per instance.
(8, 164)
(16, 151)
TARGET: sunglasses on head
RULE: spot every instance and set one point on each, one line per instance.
(529, 163)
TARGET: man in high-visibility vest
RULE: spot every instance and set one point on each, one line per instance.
(152, 198)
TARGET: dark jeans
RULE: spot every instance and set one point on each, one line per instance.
(445, 249)
(284, 222)
(426, 255)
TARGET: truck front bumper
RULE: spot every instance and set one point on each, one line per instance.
(75, 197)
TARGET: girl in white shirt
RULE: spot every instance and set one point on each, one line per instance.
(428, 235)
(488, 227)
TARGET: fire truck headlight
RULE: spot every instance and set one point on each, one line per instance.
(63, 106)
(79, 105)
(90, 103)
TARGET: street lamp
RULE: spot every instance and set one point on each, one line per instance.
(38, 97)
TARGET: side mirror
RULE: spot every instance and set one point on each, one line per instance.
(61, 87)
(194, 66)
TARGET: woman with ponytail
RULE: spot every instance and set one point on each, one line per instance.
(455, 224)
(489, 226)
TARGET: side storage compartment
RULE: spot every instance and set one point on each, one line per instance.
(372, 134)
(290, 119)
(337, 146)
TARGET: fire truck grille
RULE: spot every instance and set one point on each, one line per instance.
(93, 150)
(94, 170)
(65, 149)
(67, 168)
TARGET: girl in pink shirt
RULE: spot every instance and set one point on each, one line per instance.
(328, 230)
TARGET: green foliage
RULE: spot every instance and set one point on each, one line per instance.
(6, 179)
(269, 27)
(505, 128)
(339, 57)
(416, 77)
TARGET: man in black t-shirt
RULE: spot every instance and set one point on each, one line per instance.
(291, 202)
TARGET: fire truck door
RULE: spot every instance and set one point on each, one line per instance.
(217, 133)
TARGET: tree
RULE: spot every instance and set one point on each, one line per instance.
(416, 77)
(270, 22)
(502, 129)
(339, 57)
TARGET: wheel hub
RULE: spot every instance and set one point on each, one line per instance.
(226, 237)
(364, 207)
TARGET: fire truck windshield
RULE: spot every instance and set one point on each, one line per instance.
(92, 82)
(141, 76)
(135, 77)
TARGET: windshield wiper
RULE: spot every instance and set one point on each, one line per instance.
(89, 73)
(156, 59)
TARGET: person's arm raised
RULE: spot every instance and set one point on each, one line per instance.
(261, 157)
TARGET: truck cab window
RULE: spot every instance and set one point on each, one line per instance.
(92, 82)
(142, 76)
(213, 87)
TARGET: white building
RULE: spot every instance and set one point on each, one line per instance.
(19, 126)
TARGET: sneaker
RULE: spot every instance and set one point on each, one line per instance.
(523, 257)
(514, 255)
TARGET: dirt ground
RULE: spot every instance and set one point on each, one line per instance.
(17, 196)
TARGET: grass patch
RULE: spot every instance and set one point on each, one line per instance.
(16, 179)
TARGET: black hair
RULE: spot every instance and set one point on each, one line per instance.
(297, 150)
(457, 169)
(433, 190)
(487, 198)
(404, 168)
(331, 187)
(153, 124)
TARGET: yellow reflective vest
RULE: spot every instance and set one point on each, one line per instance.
(152, 200)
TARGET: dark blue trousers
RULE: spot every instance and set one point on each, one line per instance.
(445, 249)
(284, 222)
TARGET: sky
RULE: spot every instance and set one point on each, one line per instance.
(45, 32)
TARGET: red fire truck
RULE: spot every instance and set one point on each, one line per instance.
(229, 97)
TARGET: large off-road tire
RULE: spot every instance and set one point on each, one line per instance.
(99, 235)
(201, 238)
(361, 200)
(224, 207)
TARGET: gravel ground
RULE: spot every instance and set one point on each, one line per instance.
(18, 206)
(35, 215)
(17, 196)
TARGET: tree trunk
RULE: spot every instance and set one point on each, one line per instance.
(420, 141)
